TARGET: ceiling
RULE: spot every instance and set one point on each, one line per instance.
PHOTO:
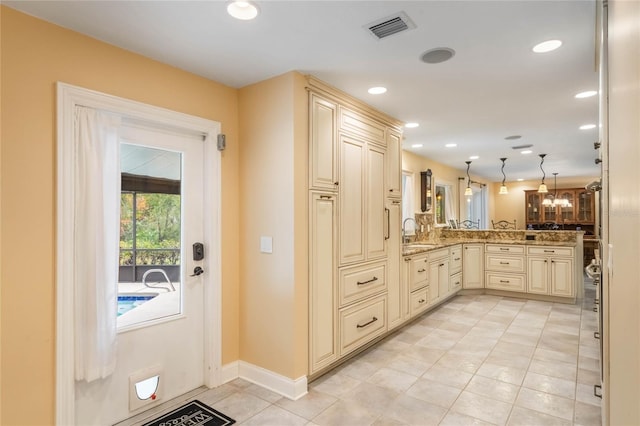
(493, 87)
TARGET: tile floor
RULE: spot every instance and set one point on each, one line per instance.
(476, 360)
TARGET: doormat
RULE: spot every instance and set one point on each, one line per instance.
(194, 413)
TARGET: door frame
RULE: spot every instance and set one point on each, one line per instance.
(68, 97)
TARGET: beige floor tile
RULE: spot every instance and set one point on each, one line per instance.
(542, 402)
(551, 355)
(409, 365)
(584, 394)
(392, 379)
(448, 376)
(263, 393)
(373, 397)
(435, 342)
(558, 369)
(502, 373)
(335, 384)
(515, 348)
(434, 392)
(425, 354)
(275, 416)
(467, 362)
(587, 363)
(345, 413)
(481, 407)
(414, 411)
(509, 359)
(457, 419)
(386, 421)
(501, 391)
(525, 417)
(309, 406)
(548, 384)
(588, 377)
(358, 369)
(241, 406)
(587, 415)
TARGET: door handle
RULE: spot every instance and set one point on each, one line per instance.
(386, 237)
(197, 271)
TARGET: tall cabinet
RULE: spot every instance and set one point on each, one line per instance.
(354, 220)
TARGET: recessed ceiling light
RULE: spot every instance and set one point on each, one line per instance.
(411, 125)
(586, 94)
(473, 157)
(451, 145)
(416, 145)
(437, 55)
(377, 90)
(587, 126)
(244, 10)
(520, 180)
(513, 137)
(547, 46)
(526, 151)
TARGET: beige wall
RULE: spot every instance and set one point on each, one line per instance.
(273, 199)
(34, 56)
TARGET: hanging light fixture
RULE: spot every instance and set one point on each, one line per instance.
(562, 202)
(468, 191)
(542, 188)
(503, 187)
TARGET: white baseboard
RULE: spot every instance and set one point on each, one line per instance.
(289, 388)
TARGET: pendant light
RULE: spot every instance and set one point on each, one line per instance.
(542, 188)
(503, 187)
(562, 202)
(468, 191)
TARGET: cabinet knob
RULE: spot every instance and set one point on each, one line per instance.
(336, 183)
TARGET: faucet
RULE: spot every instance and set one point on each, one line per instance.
(404, 230)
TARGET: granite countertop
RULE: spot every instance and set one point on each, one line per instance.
(452, 237)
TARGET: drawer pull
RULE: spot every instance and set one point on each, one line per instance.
(421, 270)
(596, 334)
(368, 281)
(504, 263)
(549, 251)
(326, 197)
(421, 301)
(440, 265)
(457, 258)
(374, 319)
(505, 281)
(504, 248)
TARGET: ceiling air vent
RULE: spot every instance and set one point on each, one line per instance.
(390, 25)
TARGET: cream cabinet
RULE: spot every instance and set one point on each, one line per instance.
(455, 268)
(505, 267)
(550, 270)
(362, 126)
(438, 275)
(473, 266)
(362, 201)
(394, 162)
(323, 147)
(362, 322)
(395, 285)
(417, 283)
(322, 270)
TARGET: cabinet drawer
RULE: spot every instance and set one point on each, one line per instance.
(505, 282)
(550, 251)
(361, 281)
(510, 249)
(361, 323)
(419, 301)
(455, 263)
(496, 262)
(419, 272)
(363, 126)
(455, 282)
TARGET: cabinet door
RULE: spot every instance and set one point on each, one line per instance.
(473, 266)
(567, 214)
(352, 177)
(585, 202)
(533, 207)
(323, 147)
(562, 277)
(444, 279)
(376, 216)
(323, 347)
(537, 275)
(394, 285)
(394, 173)
(434, 288)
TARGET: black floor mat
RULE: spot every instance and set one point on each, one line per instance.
(193, 413)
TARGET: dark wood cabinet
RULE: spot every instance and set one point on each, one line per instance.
(579, 213)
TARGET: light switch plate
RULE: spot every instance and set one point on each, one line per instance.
(266, 245)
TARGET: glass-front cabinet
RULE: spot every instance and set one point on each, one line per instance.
(574, 207)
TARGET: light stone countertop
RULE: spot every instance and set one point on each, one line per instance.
(450, 237)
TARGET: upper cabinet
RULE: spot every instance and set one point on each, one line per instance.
(323, 152)
(394, 160)
(579, 211)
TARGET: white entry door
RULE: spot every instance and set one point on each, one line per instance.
(161, 323)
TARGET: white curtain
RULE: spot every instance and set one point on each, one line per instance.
(96, 236)
(407, 204)
(449, 206)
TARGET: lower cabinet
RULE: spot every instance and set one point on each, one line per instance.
(438, 275)
(473, 266)
(505, 267)
(550, 271)
(419, 301)
(362, 322)
(455, 282)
